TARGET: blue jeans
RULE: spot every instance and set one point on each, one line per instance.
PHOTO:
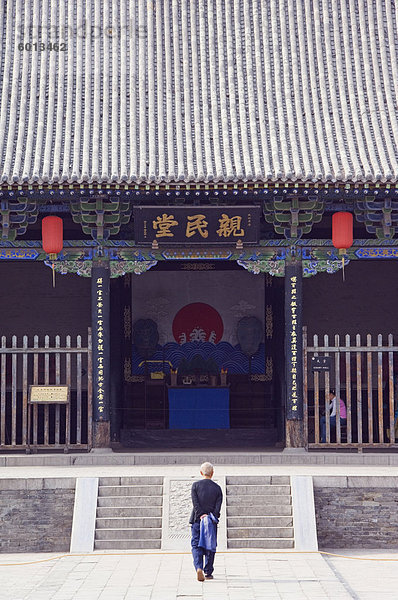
(198, 553)
(332, 426)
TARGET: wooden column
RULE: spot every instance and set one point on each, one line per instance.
(100, 314)
(294, 353)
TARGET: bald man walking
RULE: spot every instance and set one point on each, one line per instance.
(206, 498)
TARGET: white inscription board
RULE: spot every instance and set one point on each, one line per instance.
(49, 394)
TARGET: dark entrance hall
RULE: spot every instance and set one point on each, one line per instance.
(203, 373)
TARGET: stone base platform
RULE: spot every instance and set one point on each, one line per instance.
(194, 456)
(198, 438)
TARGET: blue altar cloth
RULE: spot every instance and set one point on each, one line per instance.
(198, 407)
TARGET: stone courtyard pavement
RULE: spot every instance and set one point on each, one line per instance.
(168, 576)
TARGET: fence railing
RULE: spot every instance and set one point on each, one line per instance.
(24, 363)
(362, 374)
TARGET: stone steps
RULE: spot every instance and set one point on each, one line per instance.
(256, 521)
(265, 543)
(255, 510)
(259, 480)
(127, 544)
(259, 490)
(128, 522)
(130, 490)
(130, 501)
(258, 499)
(110, 512)
(259, 512)
(129, 513)
(259, 532)
(137, 480)
(139, 533)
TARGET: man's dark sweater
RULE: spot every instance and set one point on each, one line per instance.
(206, 498)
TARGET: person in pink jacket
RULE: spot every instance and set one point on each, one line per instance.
(333, 415)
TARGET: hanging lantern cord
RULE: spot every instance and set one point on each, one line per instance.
(53, 258)
(342, 252)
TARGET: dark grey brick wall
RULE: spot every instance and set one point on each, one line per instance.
(29, 304)
(36, 520)
(357, 517)
(345, 316)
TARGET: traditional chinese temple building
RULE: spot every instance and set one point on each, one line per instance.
(196, 155)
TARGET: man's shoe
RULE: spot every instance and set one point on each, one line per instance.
(209, 576)
(200, 575)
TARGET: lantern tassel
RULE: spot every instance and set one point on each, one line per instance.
(342, 252)
(53, 257)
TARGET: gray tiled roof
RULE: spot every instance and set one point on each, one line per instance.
(199, 91)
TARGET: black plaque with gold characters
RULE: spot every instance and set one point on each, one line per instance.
(196, 224)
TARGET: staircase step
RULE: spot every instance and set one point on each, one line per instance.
(256, 500)
(265, 543)
(259, 510)
(128, 522)
(128, 534)
(128, 511)
(129, 501)
(260, 532)
(130, 490)
(127, 544)
(258, 480)
(266, 490)
(268, 521)
(144, 480)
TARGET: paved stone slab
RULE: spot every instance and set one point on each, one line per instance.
(168, 576)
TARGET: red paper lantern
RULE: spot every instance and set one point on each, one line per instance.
(52, 235)
(342, 230)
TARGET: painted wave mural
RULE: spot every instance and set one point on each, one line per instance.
(224, 354)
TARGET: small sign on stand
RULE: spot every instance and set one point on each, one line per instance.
(45, 394)
(48, 394)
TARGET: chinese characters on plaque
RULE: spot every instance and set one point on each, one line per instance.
(321, 363)
(202, 224)
(48, 394)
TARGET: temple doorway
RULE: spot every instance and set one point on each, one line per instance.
(202, 357)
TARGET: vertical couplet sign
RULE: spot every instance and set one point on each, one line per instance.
(101, 355)
(293, 342)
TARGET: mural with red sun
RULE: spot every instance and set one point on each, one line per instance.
(198, 322)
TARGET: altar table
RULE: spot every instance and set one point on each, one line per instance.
(198, 407)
